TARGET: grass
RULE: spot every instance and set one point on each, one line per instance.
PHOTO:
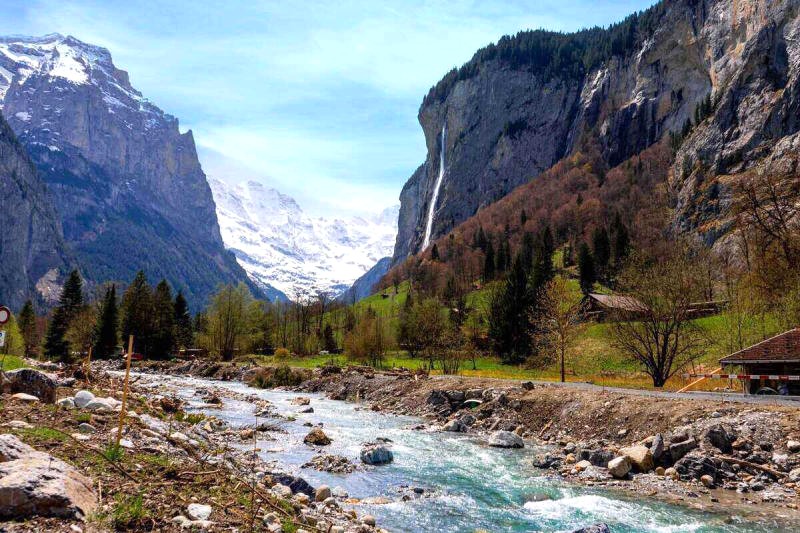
(128, 510)
(11, 362)
(41, 435)
(114, 452)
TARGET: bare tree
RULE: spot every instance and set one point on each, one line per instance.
(561, 311)
(657, 330)
(229, 320)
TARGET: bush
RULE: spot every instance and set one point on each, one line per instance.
(282, 353)
(281, 376)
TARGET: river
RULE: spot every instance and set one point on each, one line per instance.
(467, 486)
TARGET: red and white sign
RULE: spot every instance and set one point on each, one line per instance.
(5, 314)
(773, 377)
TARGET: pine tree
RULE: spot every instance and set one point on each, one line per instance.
(601, 250)
(27, 327)
(184, 332)
(70, 302)
(137, 314)
(586, 272)
(509, 317)
(434, 252)
(107, 325)
(500, 257)
(488, 263)
(163, 340)
(620, 243)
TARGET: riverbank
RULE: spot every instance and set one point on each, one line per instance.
(176, 469)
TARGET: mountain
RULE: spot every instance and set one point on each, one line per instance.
(126, 183)
(366, 284)
(32, 249)
(716, 79)
(283, 249)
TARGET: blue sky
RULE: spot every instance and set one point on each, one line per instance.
(318, 99)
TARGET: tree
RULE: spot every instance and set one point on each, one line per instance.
(489, 262)
(620, 241)
(561, 313)
(328, 340)
(601, 250)
(509, 316)
(184, 331)
(163, 339)
(661, 336)
(107, 325)
(228, 319)
(586, 272)
(81, 331)
(27, 328)
(70, 302)
(434, 252)
(137, 314)
(366, 342)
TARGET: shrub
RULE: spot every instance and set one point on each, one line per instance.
(281, 376)
(282, 353)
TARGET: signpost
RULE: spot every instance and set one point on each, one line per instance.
(5, 314)
(2, 338)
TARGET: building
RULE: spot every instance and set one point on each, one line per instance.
(615, 306)
(770, 366)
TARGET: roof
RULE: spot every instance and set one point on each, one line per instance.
(778, 349)
(613, 301)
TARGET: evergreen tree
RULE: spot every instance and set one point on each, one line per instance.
(70, 302)
(329, 341)
(163, 342)
(620, 244)
(434, 252)
(184, 332)
(500, 257)
(586, 272)
(137, 314)
(601, 250)
(523, 218)
(107, 325)
(488, 263)
(27, 327)
(509, 317)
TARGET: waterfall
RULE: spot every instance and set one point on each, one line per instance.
(432, 207)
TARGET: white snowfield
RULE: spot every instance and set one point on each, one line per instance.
(279, 245)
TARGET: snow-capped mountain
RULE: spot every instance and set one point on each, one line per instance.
(280, 246)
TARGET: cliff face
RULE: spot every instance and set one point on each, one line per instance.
(31, 245)
(508, 119)
(126, 182)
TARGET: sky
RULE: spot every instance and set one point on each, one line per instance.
(317, 99)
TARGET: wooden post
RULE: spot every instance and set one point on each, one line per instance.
(88, 363)
(693, 383)
(125, 389)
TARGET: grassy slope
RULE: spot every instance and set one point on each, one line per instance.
(10, 362)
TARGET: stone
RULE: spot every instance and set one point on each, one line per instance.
(66, 403)
(317, 437)
(678, 449)
(86, 428)
(793, 446)
(23, 397)
(31, 382)
(282, 490)
(660, 471)
(307, 410)
(82, 398)
(197, 511)
(582, 465)
(672, 474)
(368, 520)
(18, 424)
(296, 484)
(323, 493)
(34, 483)
(707, 480)
(455, 426)
(640, 457)
(657, 446)
(619, 466)
(595, 528)
(622, 432)
(506, 439)
(339, 492)
(599, 457)
(376, 454)
(720, 437)
(301, 400)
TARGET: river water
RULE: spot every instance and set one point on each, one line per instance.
(468, 486)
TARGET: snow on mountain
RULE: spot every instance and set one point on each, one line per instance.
(280, 246)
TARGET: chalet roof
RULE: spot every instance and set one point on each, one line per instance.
(781, 348)
(615, 301)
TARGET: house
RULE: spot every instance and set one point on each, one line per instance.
(601, 306)
(771, 366)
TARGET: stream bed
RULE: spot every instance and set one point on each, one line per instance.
(466, 485)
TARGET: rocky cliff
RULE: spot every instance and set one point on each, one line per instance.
(32, 251)
(528, 101)
(126, 182)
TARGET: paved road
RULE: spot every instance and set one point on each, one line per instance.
(728, 397)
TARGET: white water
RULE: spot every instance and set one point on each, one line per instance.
(432, 207)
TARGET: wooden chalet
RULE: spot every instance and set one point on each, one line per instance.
(769, 366)
(604, 306)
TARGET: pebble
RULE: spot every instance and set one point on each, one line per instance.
(28, 398)
(86, 428)
(323, 493)
(369, 520)
(197, 511)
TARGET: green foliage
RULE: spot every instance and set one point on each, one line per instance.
(137, 314)
(281, 376)
(601, 250)
(128, 510)
(163, 339)
(27, 328)
(70, 302)
(229, 319)
(586, 270)
(366, 343)
(113, 452)
(184, 332)
(107, 325)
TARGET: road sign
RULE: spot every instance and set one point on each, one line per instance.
(2, 339)
(5, 314)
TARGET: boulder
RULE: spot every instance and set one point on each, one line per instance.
(695, 465)
(66, 403)
(657, 447)
(376, 454)
(82, 398)
(619, 466)
(678, 449)
(29, 381)
(198, 511)
(720, 437)
(34, 483)
(317, 437)
(455, 426)
(23, 397)
(640, 457)
(295, 484)
(437, 397)
(599, 457)
(707, 480)
(86, 428)
(506, 439)
(793, 446)
(323, 493)
(301, 400)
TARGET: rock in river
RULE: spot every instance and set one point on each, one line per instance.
(34, 483)
(317, 437)
(619, 466)
(506, 439)
(376, 454)
(596, 528)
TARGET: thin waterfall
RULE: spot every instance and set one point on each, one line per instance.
(432, 207)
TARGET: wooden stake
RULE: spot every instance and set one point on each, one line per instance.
(88, 363)
(125, 389)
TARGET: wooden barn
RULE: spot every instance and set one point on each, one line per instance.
(770, 366)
